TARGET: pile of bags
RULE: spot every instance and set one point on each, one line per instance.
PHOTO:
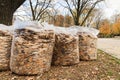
(31, 48)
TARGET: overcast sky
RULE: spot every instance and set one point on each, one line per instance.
(112, 7)
(115, 4)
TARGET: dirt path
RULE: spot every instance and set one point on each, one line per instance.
(110, 45)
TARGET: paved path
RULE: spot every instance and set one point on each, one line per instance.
(110, 45)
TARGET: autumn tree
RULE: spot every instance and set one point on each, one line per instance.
(105, 28)
(7, 9)
(110, 28)
(116, 26)
(79, 6)
(68, 21)
(59, 20)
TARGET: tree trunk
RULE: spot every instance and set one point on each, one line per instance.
(76, 22)
(7, 9)
(6, 16)
(6, 19)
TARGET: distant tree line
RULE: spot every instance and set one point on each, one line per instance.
(110, 28)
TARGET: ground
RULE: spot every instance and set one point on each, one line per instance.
(110, 45)
(104, 68)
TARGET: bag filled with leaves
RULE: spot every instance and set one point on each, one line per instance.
(66, 51)
(5, 46)
(87, 46)
(87, 42)
(32, 50)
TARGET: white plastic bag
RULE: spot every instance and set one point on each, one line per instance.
(92, 31)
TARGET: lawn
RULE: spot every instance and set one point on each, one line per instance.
(105, 67)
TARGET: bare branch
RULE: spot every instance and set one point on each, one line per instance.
(93, 6)
(32, 10)
(80, 6)
(43, 8)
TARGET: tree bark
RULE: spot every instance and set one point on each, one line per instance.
(76, 22)
(7, 9)
(5, 16)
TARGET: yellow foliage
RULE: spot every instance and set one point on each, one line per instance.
(116, 28)
(105, 29)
